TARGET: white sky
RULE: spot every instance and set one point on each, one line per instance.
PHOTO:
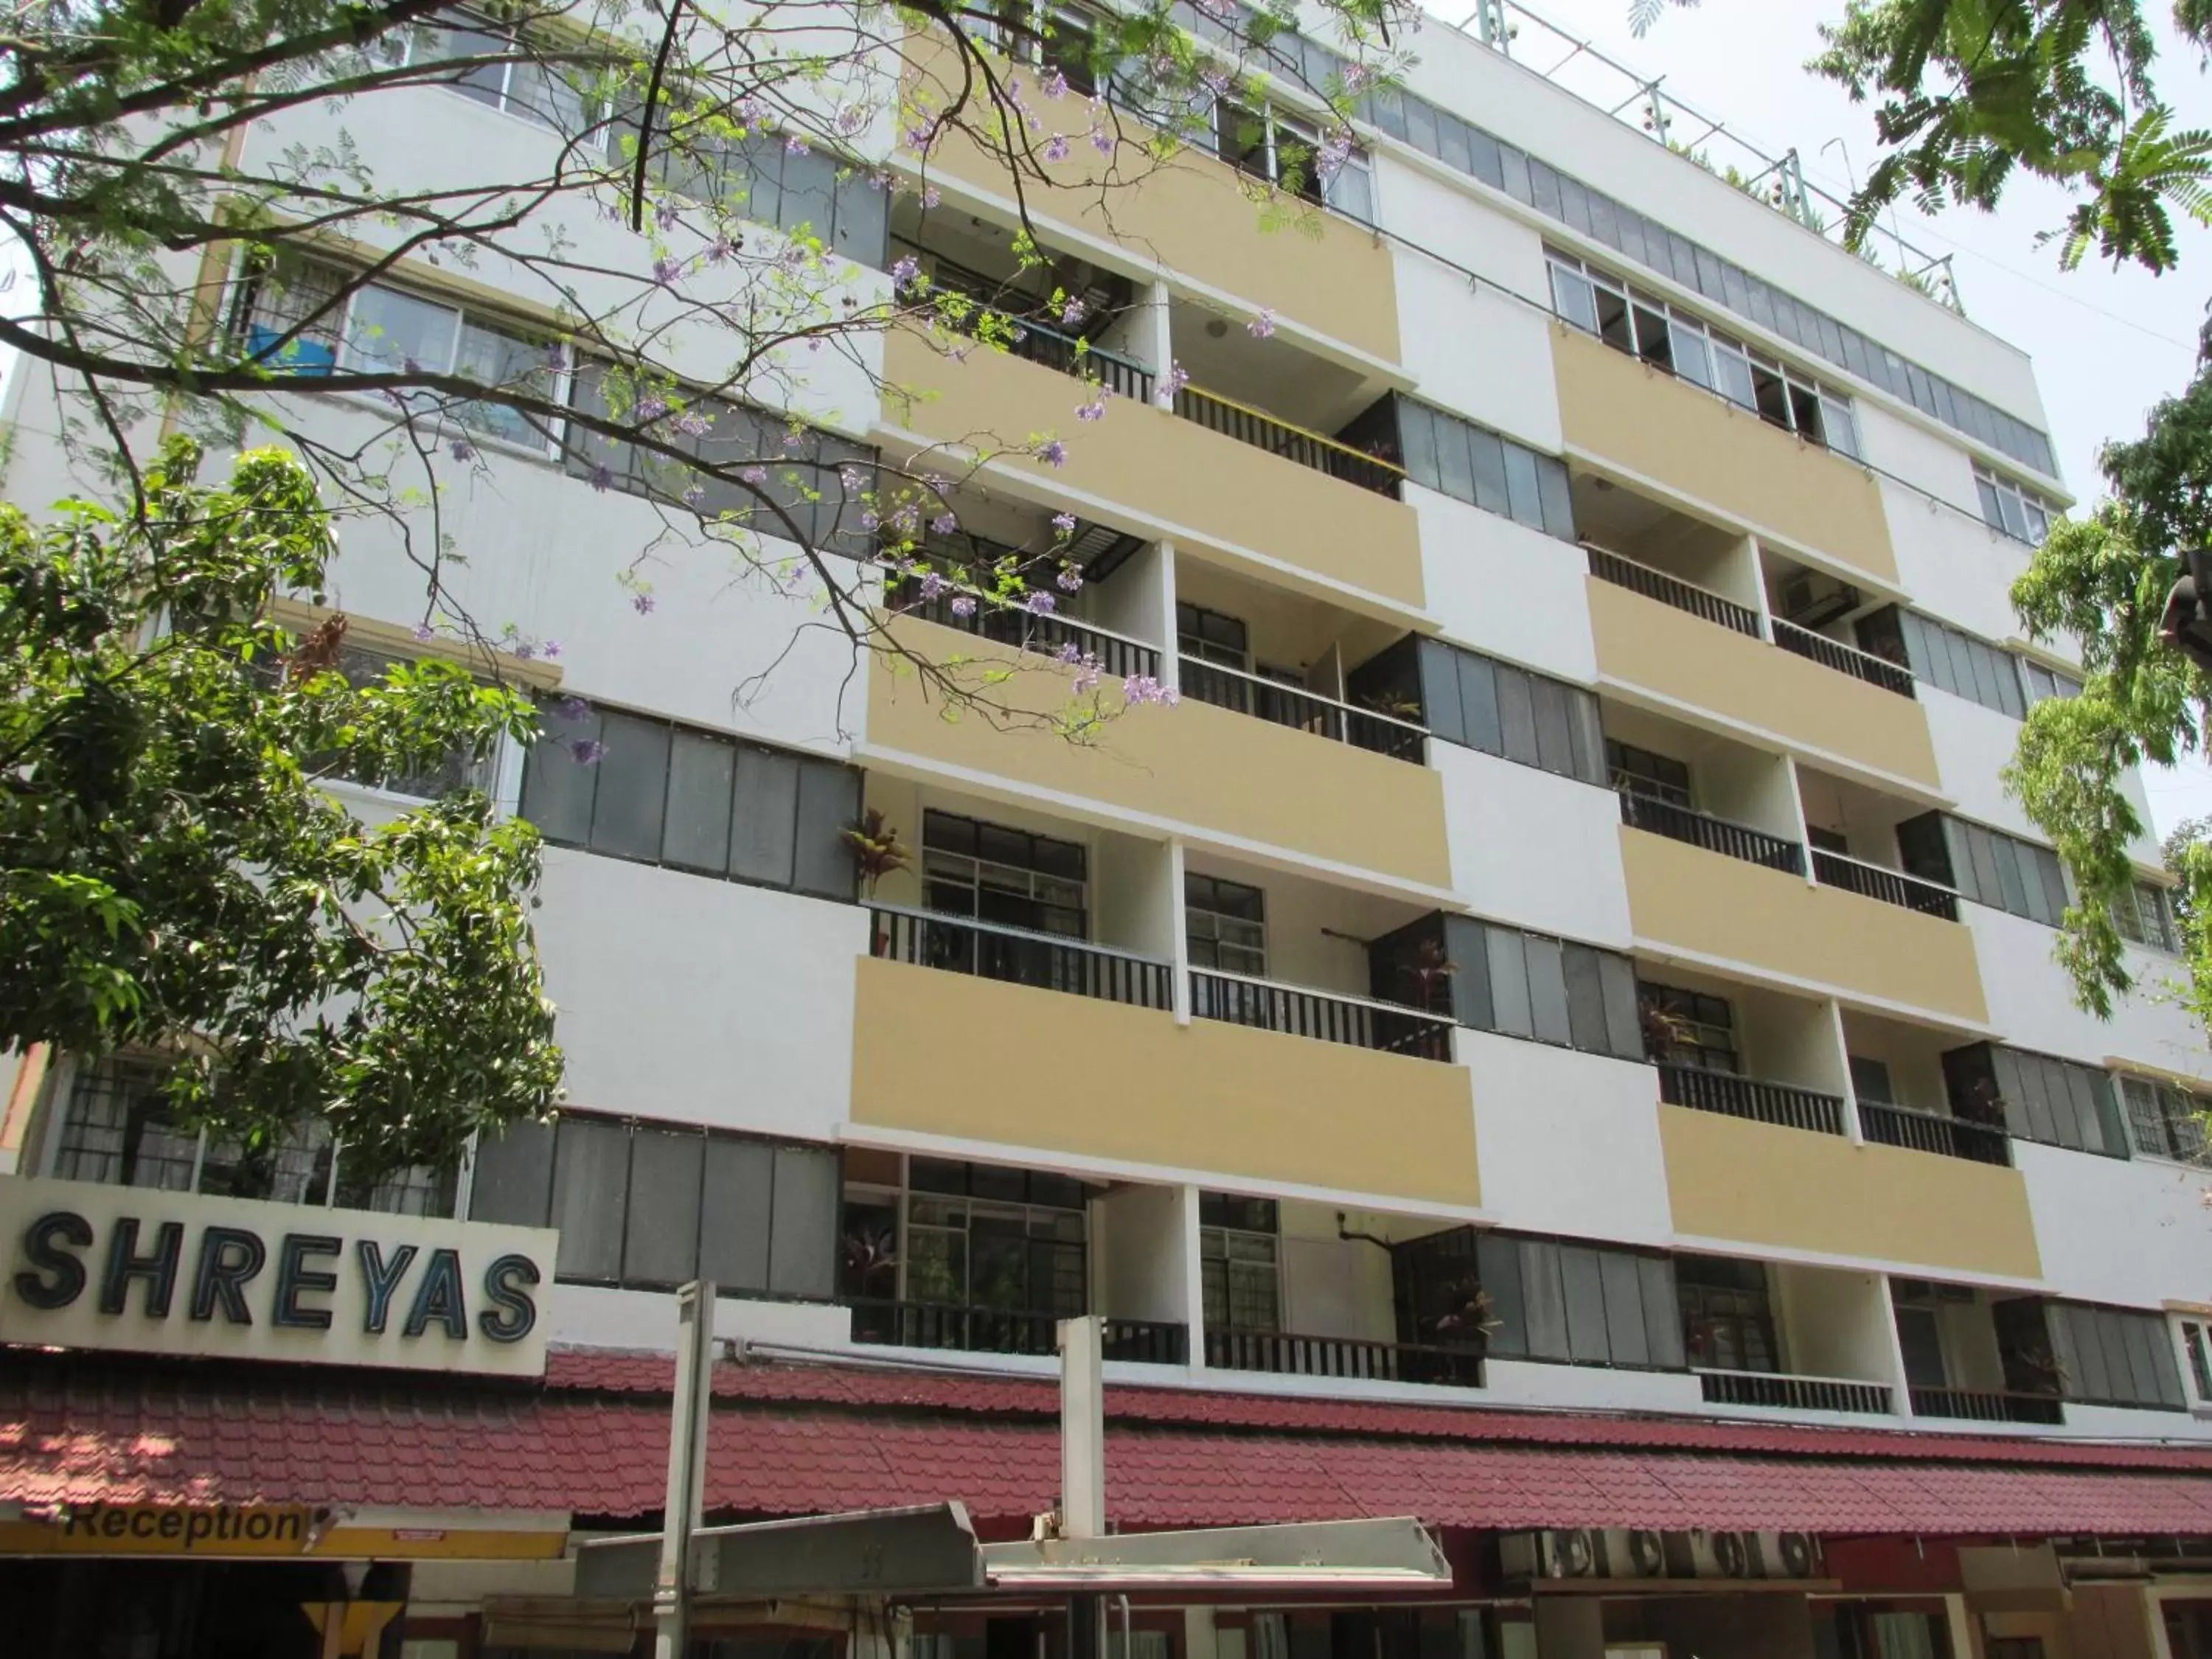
(2107, 344)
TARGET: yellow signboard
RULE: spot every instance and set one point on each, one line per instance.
(261, 1532)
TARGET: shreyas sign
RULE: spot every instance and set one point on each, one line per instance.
(97, 1266)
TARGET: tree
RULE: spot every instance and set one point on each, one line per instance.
(209, 254)
(173, 879)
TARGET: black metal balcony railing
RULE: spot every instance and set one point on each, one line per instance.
(1117, 655)
(1844, 659)
(1796, 1393)
(1977, 1405)
(1733, 1096)
(1009, 1330)
(1891, 1125)
(1123, 376)
(1610, 567)
(1732, 840)
(1359, 1021)
(1307, 711)
(1293, 443)
(1890, 886)
(962, 945)
(1285, 1354)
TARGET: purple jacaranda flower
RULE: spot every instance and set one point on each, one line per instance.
(1261, 325)
(963, 605)
(549, 650)
(463, 450)
(666, 271)
(1215, 80)
(904, 270)
(572, 709)
(795, 441)
(945, 524)
(1070, 654)
(931, 196)
(556, 357)
(755, 475)
(1040, 603)
(868, 519)
(664, 216)
(1178, 377)
(694, 423)
(1064, 523)
(933, 585)
(521, 650)
(794, 145)
(720, 252)
(851, 477)
(587, 751)
(1053, 452)
(1143, 688)
(1102, 141)
(1056, 148)
(852, 119)
(651, 406)
(424, 633)
(1054, 84)
(694, 494)
(1072, 312)
(603, 478)
(918, 136)
(642, 603)
(1070, 579)
(1096, 409)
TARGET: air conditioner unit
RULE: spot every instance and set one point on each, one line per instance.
(1814, 601)
(1560, 1552)
(1759, 1555)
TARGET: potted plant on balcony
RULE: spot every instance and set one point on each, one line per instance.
(1429, 972)
(877, 851)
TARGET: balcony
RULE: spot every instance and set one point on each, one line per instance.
(1759, 1184)
(1715, 835)
(1844, 659)
(1888, 886)
(1916, 1130)
(1732, 910)
(1781, 1103)
(1293, 443)
(1016, 956)
(1326, 1015)
(1009, 1331)
(1655, 584)
(1192, 214)
(1284, 1355)
(931, 1053)
(1688, 647)
(1193, 765)
(1771, 1391)
(1303, 711)
(1192, 485)
(1639, 423)
(1978, 1406)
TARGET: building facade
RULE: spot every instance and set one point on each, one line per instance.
(1561, 1002)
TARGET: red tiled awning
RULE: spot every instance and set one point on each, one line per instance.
(798, 1439)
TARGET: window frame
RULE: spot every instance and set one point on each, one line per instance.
(1225, 1234)
(1215, 916)
(2004, 499)
(1657, 329)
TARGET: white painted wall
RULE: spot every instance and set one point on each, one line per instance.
(1476, 351)
(1973, 745)
(1588, 1388)
(2135, 1232)
(1567, 1142)
(2030, 1000)
(588, 1315)
(1334, 1286)
(1141, 1238)
(1533, 848)
(1833, 1324)
(701, 1001)
(1505, 589)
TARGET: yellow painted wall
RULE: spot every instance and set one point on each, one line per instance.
(1760, 1184)
(1071, 1074)
(1193, 764)
(1233, 494)
(1683, 897)
(1645, 422)
(1189, 212)
(1642, 642)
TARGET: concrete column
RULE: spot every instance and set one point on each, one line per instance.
(1797, 811)
(1158, 349)
(1181, 934)
(1903, 1389)
(1165, 576)
(1843, 1064)
(1194, 1274)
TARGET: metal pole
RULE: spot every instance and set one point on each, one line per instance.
(1083, 1467)
(687, 1466)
